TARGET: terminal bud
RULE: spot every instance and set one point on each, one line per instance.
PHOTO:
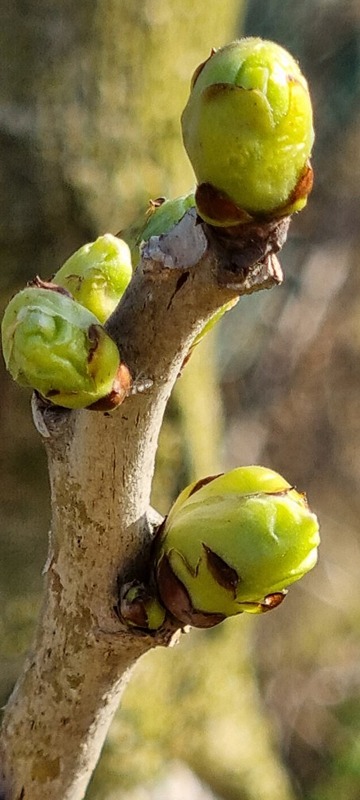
(247, 128)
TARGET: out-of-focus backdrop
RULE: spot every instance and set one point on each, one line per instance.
(91, 95)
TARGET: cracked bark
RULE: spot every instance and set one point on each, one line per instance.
(101, 469)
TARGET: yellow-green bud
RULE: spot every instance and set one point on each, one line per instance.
(54, 345)
(233, 543)
(139, 608)
(97, 274)
(247, 129)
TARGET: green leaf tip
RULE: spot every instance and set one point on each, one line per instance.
(160, 218)
(248, 131)
(234, 543)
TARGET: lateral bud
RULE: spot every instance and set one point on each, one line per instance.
(97, 274)
(139, 608)
(233, 543)
(56, 346)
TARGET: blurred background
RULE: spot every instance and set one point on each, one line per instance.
(91, 95)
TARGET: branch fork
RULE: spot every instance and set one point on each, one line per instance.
(100, 468)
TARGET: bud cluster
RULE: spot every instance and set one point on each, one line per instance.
(232, 542)
(52, 334)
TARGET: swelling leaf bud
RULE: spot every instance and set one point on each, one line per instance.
(54, 345)
(233, 543)
(247, 129)
(97, 274)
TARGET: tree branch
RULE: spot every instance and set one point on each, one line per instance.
(101, 468)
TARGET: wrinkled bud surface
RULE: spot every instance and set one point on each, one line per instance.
(233, 543)
(54, 345)
(247, 129)
(97, 274)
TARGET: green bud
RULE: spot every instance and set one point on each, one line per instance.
(233, 543)
(247, 129)
(139, 608)
(97, 274)
(163, 215)
(54, 345)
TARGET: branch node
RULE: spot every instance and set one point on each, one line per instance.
(182, 249)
